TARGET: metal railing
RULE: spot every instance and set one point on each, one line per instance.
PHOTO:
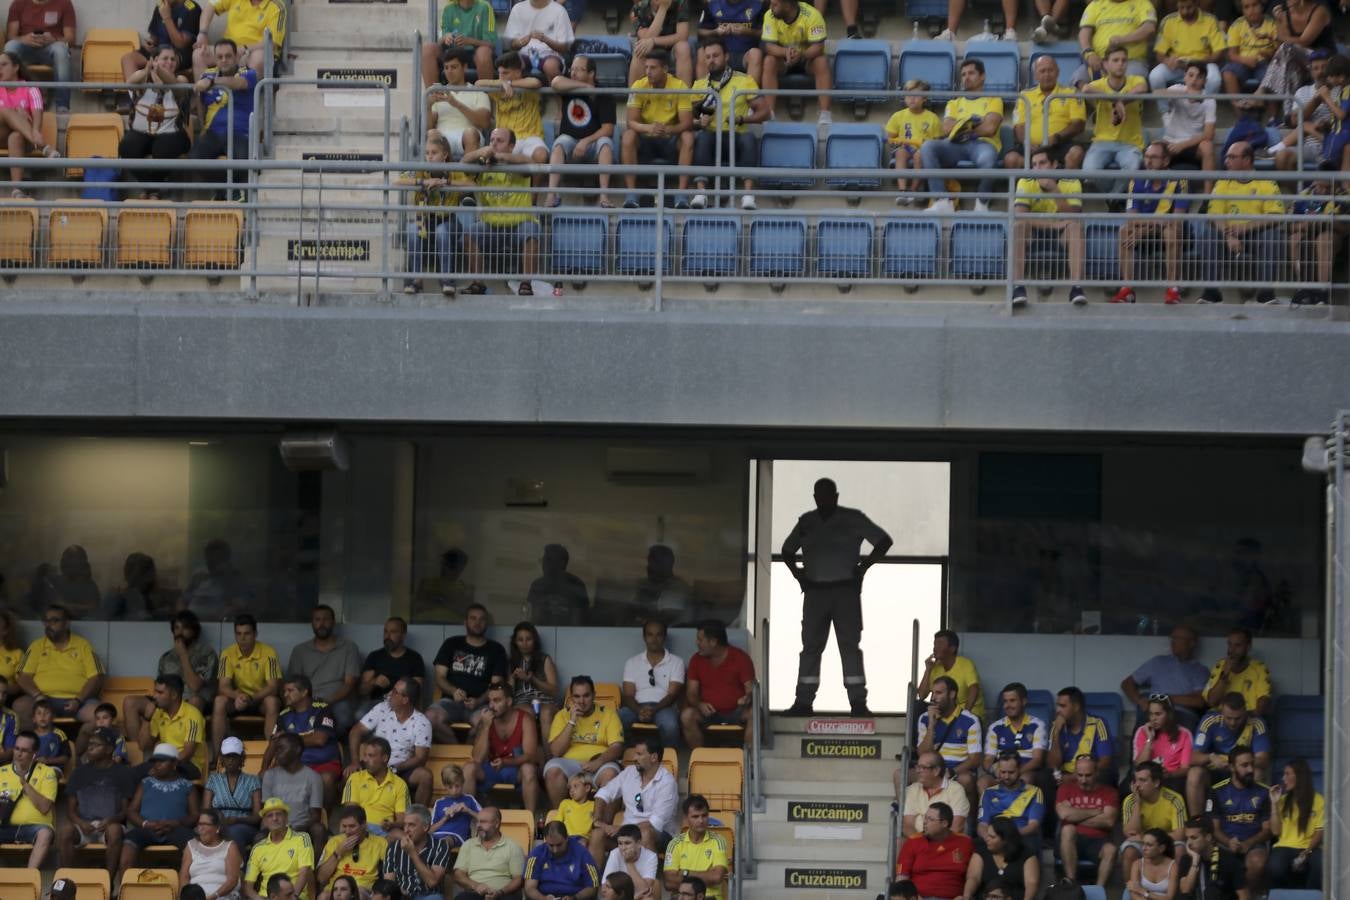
(906, 756)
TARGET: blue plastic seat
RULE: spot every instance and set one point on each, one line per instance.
(580, 244)
(926, 9)
(1290, 894)
(844, 248)
(1002, 63)
(712, 245)
(933, 61)
(1299, 726)
(787, 145)
(1093, 892)
(611, 65)
(1041, 704)
(635, 246)
(910, 248)
(1067, 53)
(855, 146)
(1107, 705)
(979, 250)
(1007, 139)
(1102, 251)
(862, 66)
(778, 247)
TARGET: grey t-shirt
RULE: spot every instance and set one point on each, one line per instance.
(326, 671)
(302, 791)
(1189, 115)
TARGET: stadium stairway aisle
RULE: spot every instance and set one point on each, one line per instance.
(827, 814)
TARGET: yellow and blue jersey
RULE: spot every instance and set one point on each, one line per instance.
(1215, 737)
(1023, 804)
(1024, 738)
(955, 738)
(1093, 739)
(1240, 812)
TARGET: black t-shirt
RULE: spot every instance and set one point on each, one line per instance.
(409, 665)
(1216, 879)
(470, 668)
(101, 793)
(583, 114)
(1013, 874)
(187, 17)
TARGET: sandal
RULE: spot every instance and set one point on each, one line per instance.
(51, 152)
(475, 287)
(526, 289)
(605, 203)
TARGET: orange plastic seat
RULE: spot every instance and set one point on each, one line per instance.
(145, 235)
(609, 694)
(443, 755)
(75, 235)
(18, 233)
(90, 884)
(92, 134)
(149, 884)
(117, 688)
(253, 756)
(211, 236)
(101, 57)
(20, 884)
(518, 825)
(716, 772)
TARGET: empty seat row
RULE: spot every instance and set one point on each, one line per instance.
(93, 884)
(145, 235)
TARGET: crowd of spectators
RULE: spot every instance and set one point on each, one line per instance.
(1195, 815)
(345, 785)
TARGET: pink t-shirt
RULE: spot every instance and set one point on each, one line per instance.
(29, 98)
(1173, 756)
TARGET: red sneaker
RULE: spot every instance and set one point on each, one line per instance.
(1124, 295)
(1172, 296)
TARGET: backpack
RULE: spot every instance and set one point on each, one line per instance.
(1065, 889)
(97, 184)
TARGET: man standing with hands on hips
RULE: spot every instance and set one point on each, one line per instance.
(831, 574)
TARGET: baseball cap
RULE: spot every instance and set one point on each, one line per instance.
(232, 746)
(62, 889)
(271, 804)
(108, 736)
(165, 751)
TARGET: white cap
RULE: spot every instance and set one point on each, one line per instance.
(165, 751)
(231, 746)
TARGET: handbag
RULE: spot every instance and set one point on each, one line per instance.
(7, 802)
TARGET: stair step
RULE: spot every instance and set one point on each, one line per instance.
(816, 880)
(841, 774)
(806, 788)
(781, 724)
(778, 807)
(388, 36)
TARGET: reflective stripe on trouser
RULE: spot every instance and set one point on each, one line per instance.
(841, 604)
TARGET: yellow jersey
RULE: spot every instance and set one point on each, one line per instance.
(289, 855)
(1168, 812)
(1200, 39)
(1253, 682)
(45, 781)
(1131, 130)
(520, 113)
(709, 853)
(807, 29)
(911, 129)
(1250, 40)
(654, 107)
(1290, 835)
(963, 108)
(1113, 18)
(577, 817)
(382, 800)
(963, 672)
(1047, 203)
(250, 673)
(740, 87)
(10, 660)
(363, 864)
(249, 19)
(1063, 111)
(60, 673)
(186, 725)
(593, 734)
(512, 189)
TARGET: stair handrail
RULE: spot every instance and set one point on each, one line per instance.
(741, 819)
(762, 711)
(752, 784)
(906, 753)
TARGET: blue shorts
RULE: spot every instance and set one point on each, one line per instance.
(1245, 72)
(376, 829)
(21, 834)
(500, 235)
(493, 776)
(567, 143)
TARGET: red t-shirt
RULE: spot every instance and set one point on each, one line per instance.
(722, 685)
(53, 17)
(938, 869)
(1096, 800)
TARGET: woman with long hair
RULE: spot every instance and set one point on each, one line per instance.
(344, 888)
(157, 117)
(210, 861)
(616, 886)
(1163, 741)
(1154, 875)
(1005, 859)
(534, 677)
(20, 117)
(1297, 816)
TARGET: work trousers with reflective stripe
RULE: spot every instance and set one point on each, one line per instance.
(838, 603)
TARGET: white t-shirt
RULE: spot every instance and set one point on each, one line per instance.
(668, 670)
(404, 737)
(450, 120)
(551, 20)
(1188, 117)
(646, 863)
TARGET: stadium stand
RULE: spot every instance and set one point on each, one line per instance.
(21, 884)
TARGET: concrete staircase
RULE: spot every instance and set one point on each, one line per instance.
(823, 832)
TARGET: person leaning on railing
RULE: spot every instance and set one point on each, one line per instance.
(158, 118)
(501, 221)
(20, 118)
(227, 96)
(1159, 197)
(1053, 125)
(1049, 195)
(457, 114)
(1244, 248)
(585, 128)
(1118, 128)
(728, 97)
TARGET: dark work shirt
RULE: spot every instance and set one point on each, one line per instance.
(101, 793)
(409, 665)
(583, 114)
(560, 600)
(187, 17)
(470, 668)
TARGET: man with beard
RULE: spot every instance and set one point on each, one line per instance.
(489, 865)
(332, 664)
(299, 787)
(585, 128)
(96, 798)
(387, 665)
(465, 665)
(313, 722)
(1240, 808)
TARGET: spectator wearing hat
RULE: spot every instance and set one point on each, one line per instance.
(164, 808)
(283, 853)
(96, 800)
(235, 794)
(62, 889)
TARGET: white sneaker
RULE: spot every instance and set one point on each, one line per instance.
(1010, 35)
(1045, 32)
(982, 206)
(748, 202)
(824, 118)
(946, 35)
(942, 207)
(699, 201)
